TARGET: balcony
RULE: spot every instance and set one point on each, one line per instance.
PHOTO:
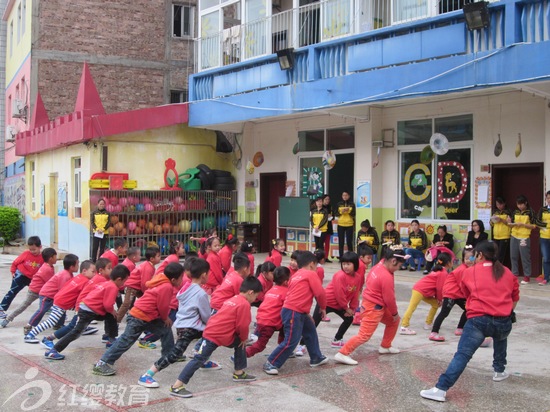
(313, 23)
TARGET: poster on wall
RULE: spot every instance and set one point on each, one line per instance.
(42, 199)
(62, 200)
(312, 182)
(482, 194)
(14, 192)
(363, 194)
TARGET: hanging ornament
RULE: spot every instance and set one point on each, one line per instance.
(296, 148)
(518, 145)
(258, 159)
(498, 147)
(249, 167)
(328, 160)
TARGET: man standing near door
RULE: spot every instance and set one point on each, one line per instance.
(345, 211)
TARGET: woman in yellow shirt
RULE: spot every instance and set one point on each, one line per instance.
(522, 223)
(319, 223)
(500, 228)
(345, 211)
(543, 221)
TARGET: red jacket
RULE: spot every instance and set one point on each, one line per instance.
(140, 276)
(484, 295)
(102, 298)
(362, 269)
(215, 275)
(266, 285)
(343, 290)
(303, 286)
(225, 255)
(431, 285)
(155, 302)
(40, 278)
(292, 271)
(269, 312)
(67, 297)
(27, 263)
(112, 256)
(233, 319)
(173, 258)
(129, 264)
(92, 283)
(451, 287)
(276, 258)
(320, 272)
(252, 267)
(230, 287)
(54, 285)
(380, 288)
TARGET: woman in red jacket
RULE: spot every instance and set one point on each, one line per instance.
(492, 293)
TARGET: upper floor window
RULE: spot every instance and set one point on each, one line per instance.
(23, 16)
(11, 38)
(77, 186)
(33, 186)
(179, 96)
(19, 24)
(182, 20)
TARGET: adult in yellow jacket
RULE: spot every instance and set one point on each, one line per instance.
(543, 221)
(345, 212)
(100, 221)
(522, 223)
(319, 223)
(500, 229)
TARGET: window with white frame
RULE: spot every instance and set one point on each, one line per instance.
(19, 24)
(435, 187)
(11, 38)
(23, 16)
(33, 186)
(183, 20)
(77, 186)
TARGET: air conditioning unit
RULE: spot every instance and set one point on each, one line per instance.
(377, 143)
(11, 131)
(19, 109)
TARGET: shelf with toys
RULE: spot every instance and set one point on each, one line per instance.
(158, 217)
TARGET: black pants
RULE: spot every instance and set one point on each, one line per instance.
(446, 307)
(343, 327)
(185, 337)
(345, 233)
(503, 247)
(98, 247)
(320, 241)
(84, 319)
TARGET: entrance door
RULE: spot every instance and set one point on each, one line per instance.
(272, 186)
(512, 180)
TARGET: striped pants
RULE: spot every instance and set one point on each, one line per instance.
(56, 314)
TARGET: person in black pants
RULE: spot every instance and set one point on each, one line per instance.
(319, 223)
(345, 211)
(100, 221)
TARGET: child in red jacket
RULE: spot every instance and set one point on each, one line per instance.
(176, 251)
(226, 252)
(231, 283)
(99, 304)
(22, 270)
(343, 295)
(120, 248)
(268, 317)
(210, 249)
(229, 327)
(264, 273)
(132, 258)
(44, 274)
(150, 312)
(430, 290)
(135, 284)
(276, 253)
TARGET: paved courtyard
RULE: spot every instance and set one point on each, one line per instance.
(378, 383)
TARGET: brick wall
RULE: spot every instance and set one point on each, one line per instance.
(127, 43)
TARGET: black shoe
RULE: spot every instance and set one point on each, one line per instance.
(328, 261)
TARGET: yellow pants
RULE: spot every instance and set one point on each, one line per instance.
(416, 298)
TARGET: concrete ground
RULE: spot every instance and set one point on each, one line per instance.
(378, 383)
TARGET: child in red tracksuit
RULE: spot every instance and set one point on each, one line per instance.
(176, 251)
(378, 306)
(64, 300)
(343, 295)
(303, 286)
(44, 274)
(50, 288)
(268, 317)
(231, 283)
(276, 253)
(248, 247)
(226, 252)
(365, 259)
(264, 273)
(150, 312)
(136, 284)
(120, 248)
(132, 258)
(430, 290)
(99, 304)
(453, 295)
(22, 270)
(229, 327)
(210, 249)
(293, 265)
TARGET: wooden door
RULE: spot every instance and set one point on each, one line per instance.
(272, 186)
(512, 180)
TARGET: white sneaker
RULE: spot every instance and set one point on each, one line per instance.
(406, 331)
(345, 359)
(427, 326)
(500, 376)
(391, 350)
(434, 394)
(300, 350)
(252, 339)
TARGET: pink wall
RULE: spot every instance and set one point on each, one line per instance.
(24, 94)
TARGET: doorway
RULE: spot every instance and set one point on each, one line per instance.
(512, 180)
(272, 186)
